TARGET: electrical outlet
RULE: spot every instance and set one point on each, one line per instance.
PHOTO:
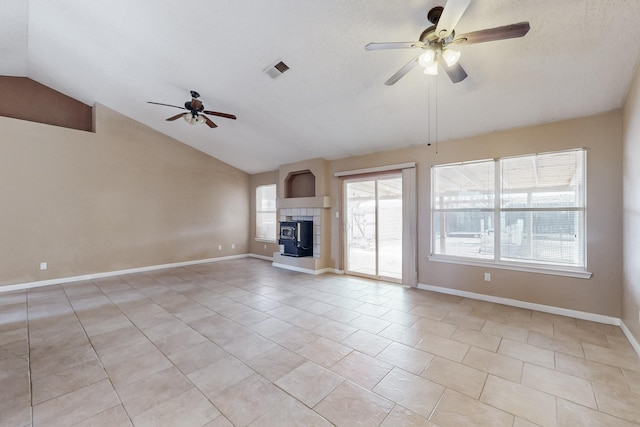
(265, 247)
(233, 246)
(219, 247)
(487, 277)
(43, 266)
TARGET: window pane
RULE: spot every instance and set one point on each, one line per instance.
(390, 227)
(466, 234)
(266, 198)
(541, 209)
(464, 186)
(550, 237)
(266, 225)
(266, 212)
(552, 180)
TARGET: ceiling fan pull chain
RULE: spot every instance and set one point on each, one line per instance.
(428, 113)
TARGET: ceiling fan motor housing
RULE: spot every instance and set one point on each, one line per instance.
(434, 14)
(428, 36)
(198, 107)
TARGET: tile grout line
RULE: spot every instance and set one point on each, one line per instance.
(115, 390)
(157, 283)
(94, 352)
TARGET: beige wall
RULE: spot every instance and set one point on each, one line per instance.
(256, 247)
(127, 196)
(601, 135)
(631, 210)
(123, 197)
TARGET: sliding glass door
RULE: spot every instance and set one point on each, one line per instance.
(373, 226)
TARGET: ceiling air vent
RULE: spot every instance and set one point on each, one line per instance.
(276, 69)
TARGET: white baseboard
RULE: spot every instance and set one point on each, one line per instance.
(632, 340)
(599, 318)
(305, 270)
(264, 257)
(27, 285)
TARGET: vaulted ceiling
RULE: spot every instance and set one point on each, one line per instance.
(577, 60)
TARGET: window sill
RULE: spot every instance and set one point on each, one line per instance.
(567, 272)
(262, 239)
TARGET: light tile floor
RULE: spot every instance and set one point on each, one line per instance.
(242, 343)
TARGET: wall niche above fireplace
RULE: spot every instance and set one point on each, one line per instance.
(304, 185)
(300, 184)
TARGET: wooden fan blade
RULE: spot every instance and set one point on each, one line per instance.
(209, 122)
(225, 115)
(453, 11)
(177, 116)
(455, 72)
(491, 34)
(402, 71)
(166, 105)
(393, 45)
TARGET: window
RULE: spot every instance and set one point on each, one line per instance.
(526, 210)
(266, 212)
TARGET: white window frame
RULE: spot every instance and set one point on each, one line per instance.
(261, 211)
(496, 261)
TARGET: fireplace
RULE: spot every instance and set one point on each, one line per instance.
(296, 237)
(304, 212)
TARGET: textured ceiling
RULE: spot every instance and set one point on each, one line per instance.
(577, 60)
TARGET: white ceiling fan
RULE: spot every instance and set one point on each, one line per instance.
(436, 40)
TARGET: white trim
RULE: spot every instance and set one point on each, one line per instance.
(409, 227)
(264, 257)
(386, 168)
(28, 285)
(305, 270)
(514, 267)
(265, 240)
(632, 340)
(593, 317)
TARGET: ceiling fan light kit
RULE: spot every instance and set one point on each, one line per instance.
(450, 56)
(431, 69)
(427, 58)
(192, 120)
(436, 39)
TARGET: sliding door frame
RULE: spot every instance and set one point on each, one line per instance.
(409, 214)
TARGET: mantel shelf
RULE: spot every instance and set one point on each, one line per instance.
(305, 202)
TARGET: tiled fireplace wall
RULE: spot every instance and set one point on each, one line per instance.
(306, 214)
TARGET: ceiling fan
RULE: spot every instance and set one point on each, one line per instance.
(195, 111)
(435, 42)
